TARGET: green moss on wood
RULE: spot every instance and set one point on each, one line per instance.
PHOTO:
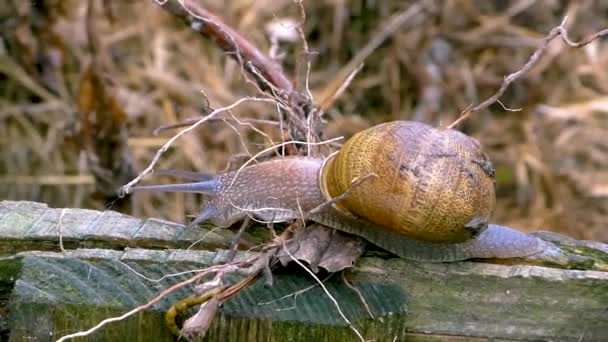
(62, 293)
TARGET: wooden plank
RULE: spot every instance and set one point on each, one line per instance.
(50, 294)
(31, 225)
(60, 293)
(53, 289)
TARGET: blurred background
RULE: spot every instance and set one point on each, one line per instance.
(82, 90)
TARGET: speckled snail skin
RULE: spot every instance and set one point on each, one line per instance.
(429, 199)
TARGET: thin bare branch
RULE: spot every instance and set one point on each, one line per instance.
(61, 230)
(205, 236)
(329, 295)
(359, 294)
(244, 122)
(353, 185)
(331, 98)
(559, 31)
(236, 238)
(294, 294)
(158, 280)
(126, 189)
(212, 27)
(142, 307)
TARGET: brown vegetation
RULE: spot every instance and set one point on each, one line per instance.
(83, 92)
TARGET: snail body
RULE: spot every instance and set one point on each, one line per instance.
(430, 198)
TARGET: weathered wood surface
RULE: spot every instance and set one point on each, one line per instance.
(50, 294)
(31, 225)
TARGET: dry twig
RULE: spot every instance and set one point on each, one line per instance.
(559, 31)
(353, 186)
(329, 295)
(267, 73)
(142, 307)
(359, 294)
(60, 224)
(126, 189)
(211, 26)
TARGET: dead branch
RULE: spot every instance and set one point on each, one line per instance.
(267, 73)
(243, 51)
(560, 31)
(329, 295)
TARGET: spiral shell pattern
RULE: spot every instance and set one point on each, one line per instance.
(424, 183)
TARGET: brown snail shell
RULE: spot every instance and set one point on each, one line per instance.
(431, 184)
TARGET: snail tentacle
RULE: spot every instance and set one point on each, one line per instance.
(208, 187)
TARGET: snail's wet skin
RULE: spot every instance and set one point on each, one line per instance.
(430, 197)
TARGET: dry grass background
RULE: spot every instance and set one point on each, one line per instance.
(551, 157)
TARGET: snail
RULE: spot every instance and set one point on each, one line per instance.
(429, 196)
